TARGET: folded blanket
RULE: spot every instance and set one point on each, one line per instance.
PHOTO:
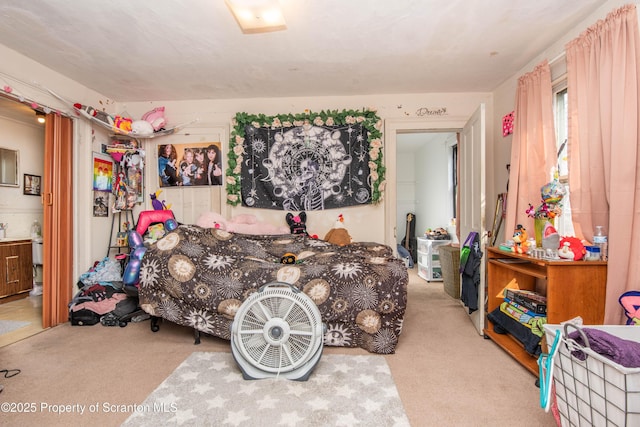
(619, 350)
(503, 324)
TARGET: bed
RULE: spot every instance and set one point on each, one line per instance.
(198, 277)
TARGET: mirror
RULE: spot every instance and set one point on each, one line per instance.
(9, 167)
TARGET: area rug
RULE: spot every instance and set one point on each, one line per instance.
(11, 325)
(208, 389)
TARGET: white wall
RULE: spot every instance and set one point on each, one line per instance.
(17, 209)
(432, 190)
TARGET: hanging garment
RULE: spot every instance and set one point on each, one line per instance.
(470, 257)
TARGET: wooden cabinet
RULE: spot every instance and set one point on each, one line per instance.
(572, 288)
(16, 267)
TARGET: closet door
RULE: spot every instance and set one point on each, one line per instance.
(57, 199)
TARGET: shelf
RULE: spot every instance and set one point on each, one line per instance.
(572, 288)
(525, 267)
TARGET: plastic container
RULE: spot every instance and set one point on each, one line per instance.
(593, 253)
(600, 240)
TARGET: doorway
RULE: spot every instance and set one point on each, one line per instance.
(426, 182)
(471, 154)
(57, 211)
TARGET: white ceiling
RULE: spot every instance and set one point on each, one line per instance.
(165, 50)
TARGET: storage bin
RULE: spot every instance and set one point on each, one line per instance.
(450, 264)
(596, 391)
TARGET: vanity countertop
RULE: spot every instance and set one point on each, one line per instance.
(14, 239)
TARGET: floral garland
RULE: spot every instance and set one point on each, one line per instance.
(368, 118)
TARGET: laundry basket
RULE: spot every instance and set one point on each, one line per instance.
(596, 391)
(450, 264)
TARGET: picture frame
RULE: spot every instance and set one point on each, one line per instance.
(103, 172)
(187, 165)
(32, 185)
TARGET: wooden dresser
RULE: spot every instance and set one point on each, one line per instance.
(16, 268)
(572, 288)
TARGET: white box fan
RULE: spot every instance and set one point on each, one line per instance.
(277, 331)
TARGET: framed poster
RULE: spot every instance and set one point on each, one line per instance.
(32, 185)
(102, 172)
(100, 204)
(191, 164)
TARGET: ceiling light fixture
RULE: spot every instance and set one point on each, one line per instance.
(257, 16)
(40, 117)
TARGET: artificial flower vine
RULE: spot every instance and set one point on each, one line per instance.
(367, 117)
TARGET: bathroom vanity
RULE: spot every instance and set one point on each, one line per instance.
(16, 268)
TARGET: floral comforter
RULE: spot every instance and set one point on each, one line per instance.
(199, 277)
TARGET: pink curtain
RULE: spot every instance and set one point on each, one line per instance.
(533, 151)
(604, 116)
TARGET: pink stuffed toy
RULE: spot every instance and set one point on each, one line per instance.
(155, 118)
(243, 224)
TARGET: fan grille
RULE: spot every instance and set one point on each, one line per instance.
(278, 330)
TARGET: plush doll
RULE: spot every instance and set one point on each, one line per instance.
(338, 235)
(155, 118)
(297, 223)
(141, 127)
(520, 240)
(86, 108)
(122, 123)
(211, 219)
(157, 204)
(571, 248)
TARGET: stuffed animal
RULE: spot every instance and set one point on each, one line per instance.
(122, 123)
(338, 235)
(157, 204)
(141, 127)
(155, 118)
(520, 240)
(571, 248)
(297, 223)
(630, 301)
(244, 224)
(86, 108)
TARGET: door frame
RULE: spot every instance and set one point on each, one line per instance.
(392, 127)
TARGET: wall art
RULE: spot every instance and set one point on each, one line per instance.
(190, 164)
(307, 161)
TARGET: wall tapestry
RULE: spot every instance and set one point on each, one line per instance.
(308, 161)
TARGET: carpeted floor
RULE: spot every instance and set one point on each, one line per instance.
(11, 325)
(208, 389)
(445, 373)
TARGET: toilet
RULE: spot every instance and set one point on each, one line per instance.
(36, 246)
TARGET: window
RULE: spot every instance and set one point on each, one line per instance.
(563, 224)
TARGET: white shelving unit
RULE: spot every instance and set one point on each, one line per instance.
(429, 259)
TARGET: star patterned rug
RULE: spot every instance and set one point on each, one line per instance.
(208, 389)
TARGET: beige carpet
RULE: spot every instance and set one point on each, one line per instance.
(446, 373)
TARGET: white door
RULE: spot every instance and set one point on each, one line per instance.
(471, 153)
